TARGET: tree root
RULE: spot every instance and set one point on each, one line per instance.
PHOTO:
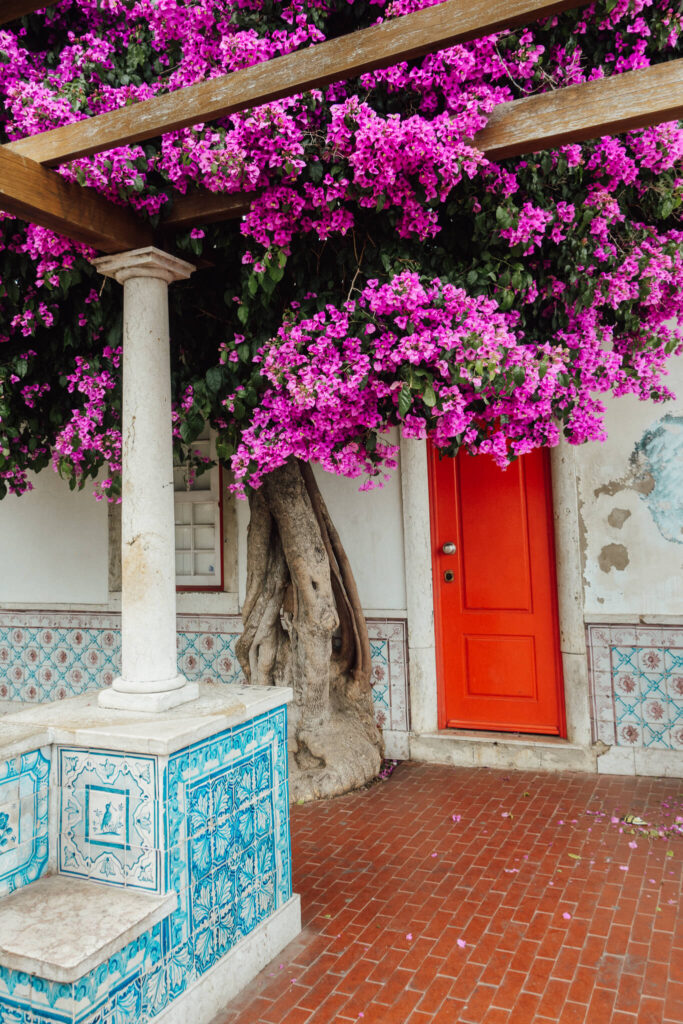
(332, 760)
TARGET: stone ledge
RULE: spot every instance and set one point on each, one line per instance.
(79, 721)
(59, 928)
(501, 750)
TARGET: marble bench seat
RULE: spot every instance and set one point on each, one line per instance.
(59, 928)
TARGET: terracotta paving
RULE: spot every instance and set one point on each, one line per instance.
(488, 897)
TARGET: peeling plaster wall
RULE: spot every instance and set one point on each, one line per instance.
(631, 506)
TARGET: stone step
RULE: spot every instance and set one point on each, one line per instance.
(59, 928)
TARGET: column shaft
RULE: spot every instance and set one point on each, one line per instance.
(148, 610)
(149, 678)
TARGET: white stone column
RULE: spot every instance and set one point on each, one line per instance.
(149, 679)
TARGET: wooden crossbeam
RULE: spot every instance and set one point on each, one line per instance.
(11, 9)
(206, 207)
(606, 106)
(43, 197)
(573, 114)
(404, 38)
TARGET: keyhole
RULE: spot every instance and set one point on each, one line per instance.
(449, 575)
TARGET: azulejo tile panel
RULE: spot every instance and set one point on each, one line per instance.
(50, 656)
(637, 686)
(24, 804)
(223, 831)
(109, 817)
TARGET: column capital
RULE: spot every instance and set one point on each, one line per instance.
(147, 262)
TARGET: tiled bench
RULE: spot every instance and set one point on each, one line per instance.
(147, 863)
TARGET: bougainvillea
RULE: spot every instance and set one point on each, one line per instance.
(387, 272)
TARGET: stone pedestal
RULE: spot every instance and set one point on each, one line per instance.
(149, 678)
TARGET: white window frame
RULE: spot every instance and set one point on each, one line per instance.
(194, 519)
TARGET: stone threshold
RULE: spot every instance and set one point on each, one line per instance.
(60, 928)
(471, 749)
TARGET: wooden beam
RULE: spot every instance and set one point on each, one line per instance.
(11, 9)
(576, 113)
(606, 106)
(404, 38)
(43, 197)
(205, 208)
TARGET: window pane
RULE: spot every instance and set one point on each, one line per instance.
(204, 538)
(205, 512)
(183, 538)
(183, 563)
(202, 482)
(204, 563)
(183, 512)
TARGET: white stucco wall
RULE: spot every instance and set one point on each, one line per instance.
(53, 546)
(371, 528)
(631, 507)
(370, 525)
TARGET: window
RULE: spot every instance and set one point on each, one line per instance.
(198, 523)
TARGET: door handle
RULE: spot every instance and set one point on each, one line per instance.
(448, 548)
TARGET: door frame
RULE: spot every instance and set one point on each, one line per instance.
(424, 696)
(438, 615)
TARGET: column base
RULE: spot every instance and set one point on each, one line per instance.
(160, 701)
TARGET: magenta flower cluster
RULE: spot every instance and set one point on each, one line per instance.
(412, 349)
(431, 359)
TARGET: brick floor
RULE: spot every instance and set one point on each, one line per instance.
(452, 894)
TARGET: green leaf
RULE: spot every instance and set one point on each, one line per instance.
(503, 217)
(405, 400)
(214, 378)
(428, 396)
(224, 450)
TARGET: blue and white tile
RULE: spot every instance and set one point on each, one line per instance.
(24, 813)
(656, 736)
(109, 808)
(180, 969)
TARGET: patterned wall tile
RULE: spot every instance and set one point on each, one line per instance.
(227, 828)
(50, 656)
(388, 648)
(24, 800)
(109, 817)
(636, 678)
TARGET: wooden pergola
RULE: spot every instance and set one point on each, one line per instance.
(30, 190)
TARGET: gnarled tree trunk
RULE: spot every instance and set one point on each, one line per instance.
(304, 627)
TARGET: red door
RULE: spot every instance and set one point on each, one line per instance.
(495, 594)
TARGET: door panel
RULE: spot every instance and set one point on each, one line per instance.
(497, 632)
